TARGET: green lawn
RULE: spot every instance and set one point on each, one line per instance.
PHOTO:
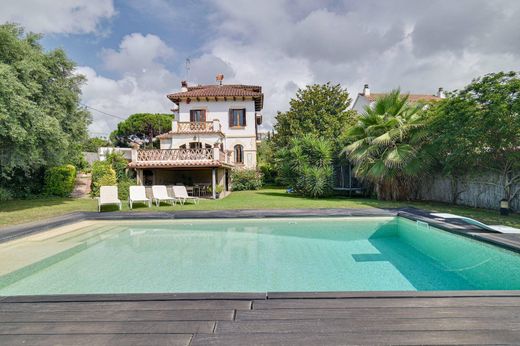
(20, 211)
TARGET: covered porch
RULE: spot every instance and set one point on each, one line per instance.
(199, 182)
(201, 170)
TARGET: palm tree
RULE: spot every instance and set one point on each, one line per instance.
(385, 143)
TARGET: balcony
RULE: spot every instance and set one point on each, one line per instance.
(164, 158)
(193, 127)
(197, 127)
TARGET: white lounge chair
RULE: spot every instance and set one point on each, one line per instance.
(108, 196)
(138, 194)
(181, 194)
(160, 194)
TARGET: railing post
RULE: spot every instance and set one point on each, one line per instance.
(215, 153)
(135, 147)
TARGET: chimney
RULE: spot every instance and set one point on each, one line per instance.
(184, 86)
(366, 90)
(441, 93)
(220, 78)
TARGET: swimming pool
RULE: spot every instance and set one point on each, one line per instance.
(256, 255)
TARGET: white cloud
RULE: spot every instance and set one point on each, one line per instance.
(54, 16)
(286, 44)
(142, 86)
(405, 43)
(120, 97)
(137, 52)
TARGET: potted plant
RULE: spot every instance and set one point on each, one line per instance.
(218, 191)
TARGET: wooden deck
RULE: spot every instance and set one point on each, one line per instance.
(407, 318)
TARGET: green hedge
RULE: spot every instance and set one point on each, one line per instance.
(100, 170)
(119, 164)
(59, 181)
(123, 187)
(246, 179)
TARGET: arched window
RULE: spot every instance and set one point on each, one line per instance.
(239, 154)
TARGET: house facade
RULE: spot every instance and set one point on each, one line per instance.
(213, 131)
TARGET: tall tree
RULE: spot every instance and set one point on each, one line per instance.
(41, 121)
(320, 110)
(385, 145)
(477, 130)
(142, 127)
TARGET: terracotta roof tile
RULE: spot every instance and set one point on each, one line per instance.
(411, 97)
(226, 90)
(218, 90)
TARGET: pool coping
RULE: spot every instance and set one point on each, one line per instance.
(122, 297)
(457, 226)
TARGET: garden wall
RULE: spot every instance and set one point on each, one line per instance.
(474, 191)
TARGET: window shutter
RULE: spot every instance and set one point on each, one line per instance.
(244, 115)
(230, 118)
(192, 115)
(203, 115)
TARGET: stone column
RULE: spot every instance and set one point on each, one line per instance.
(139, 177)
(214, 182)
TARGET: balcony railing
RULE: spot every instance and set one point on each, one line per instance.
(200, 154)
(198, 126)
(175, 154)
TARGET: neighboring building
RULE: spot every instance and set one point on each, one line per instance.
(345, 179)
(367, 98)
(214, 130)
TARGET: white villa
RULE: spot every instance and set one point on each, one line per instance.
(214, 130)
(367, 98)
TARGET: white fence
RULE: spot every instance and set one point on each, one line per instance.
(104, 151)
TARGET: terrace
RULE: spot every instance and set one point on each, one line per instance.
(199, 157)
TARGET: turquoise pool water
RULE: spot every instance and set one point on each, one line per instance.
(319, 254)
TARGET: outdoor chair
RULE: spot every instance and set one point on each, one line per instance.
(160, 194)
(138, 194)
(181, 194)
(108, 196)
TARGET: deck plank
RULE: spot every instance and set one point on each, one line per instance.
(365, 325)
(97, 339)
(124, 305)
(155, 327)
(506, 312)
(380, 338)
(122, 315)
(385, 302)
(118, 297)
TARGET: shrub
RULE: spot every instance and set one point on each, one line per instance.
(99, 170)
(109, 179)
(119, 164)
(5, 195)
(59, 181)
(246, 179)
(306, 166)
(123, 187)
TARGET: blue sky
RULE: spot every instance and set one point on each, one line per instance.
(133, 52)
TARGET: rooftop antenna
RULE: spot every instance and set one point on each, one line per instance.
(188, 63)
